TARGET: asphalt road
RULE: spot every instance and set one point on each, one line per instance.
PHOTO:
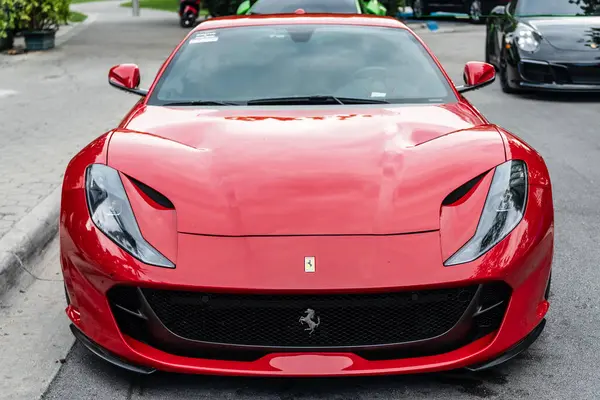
(562, 364)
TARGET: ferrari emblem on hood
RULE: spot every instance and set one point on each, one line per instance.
(309, 264)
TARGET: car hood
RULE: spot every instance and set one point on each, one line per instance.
(569, 33)
(303, 171)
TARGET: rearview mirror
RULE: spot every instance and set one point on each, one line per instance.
(477, 75)
(126, 77)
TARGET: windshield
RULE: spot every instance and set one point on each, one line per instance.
(310, 6)
(557, 7)
(246, 63)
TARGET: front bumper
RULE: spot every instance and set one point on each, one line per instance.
(555, 76)
(92, 266)
(310, 360)
(92, 316)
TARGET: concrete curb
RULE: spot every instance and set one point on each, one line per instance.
(27, 238)
(74, 29)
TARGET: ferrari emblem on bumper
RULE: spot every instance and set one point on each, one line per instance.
(309, 264)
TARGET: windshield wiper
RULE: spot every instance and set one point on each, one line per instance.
(314, 100)
(201, 103)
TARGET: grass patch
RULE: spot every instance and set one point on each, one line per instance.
(164, 5)
(75, 16)
(82, 1)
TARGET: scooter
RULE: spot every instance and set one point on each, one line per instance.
(188, 12)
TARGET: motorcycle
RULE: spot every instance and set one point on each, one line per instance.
(188, 12)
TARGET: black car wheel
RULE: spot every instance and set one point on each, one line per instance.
(420, 9)
(487, 50)
(67, 298)
(547, 294)
(188, 20)
(475, 11)
(504, 80)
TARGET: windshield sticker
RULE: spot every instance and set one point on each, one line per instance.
(204, 37)
(378, 94)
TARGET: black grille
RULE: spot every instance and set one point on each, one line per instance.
(561, 73)
(493, 303)
(585, 74)
(346, 320)
(535, 72)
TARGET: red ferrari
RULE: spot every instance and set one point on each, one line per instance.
(306, 195)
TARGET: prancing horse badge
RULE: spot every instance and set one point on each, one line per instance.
(309, 264)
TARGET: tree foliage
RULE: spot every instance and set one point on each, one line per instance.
(219, 8)
(7, 17)
(588, 7)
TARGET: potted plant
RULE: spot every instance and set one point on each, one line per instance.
(39, 20)
(7, 24)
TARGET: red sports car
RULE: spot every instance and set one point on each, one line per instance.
(306, 195)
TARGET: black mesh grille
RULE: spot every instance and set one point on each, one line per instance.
(345, 319)
(537, 72)
(585, 74)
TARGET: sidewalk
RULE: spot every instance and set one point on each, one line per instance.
(53, 103)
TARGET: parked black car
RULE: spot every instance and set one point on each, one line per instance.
(545, 45)
(476, 9)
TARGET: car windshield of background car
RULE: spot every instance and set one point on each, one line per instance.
(245, 63)
(557, 8)
(309, 6)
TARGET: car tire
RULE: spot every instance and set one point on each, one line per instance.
(475, 11)
(487, 49)
(188, 20)
(504, 81)
(488, 56)
(420, 9)
(67, 298)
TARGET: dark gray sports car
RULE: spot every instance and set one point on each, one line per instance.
(546, 45)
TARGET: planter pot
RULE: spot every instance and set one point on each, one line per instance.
(39, 40)
(6, 43)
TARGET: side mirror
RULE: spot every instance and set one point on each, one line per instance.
(477, 75)
(126, 77)
(244, 8)
(499, 10)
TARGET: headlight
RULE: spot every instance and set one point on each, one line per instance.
(112, 214)
(503, 210)
(527, 39)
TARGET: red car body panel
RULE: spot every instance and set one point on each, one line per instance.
(256, 190)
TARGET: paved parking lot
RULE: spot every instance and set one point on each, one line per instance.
(562, 364)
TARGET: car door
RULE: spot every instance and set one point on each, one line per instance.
(498, 23)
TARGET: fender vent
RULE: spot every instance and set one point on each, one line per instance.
(157, 197)
(461, 191)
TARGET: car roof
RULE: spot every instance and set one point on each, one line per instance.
(297, 19)
(310, 6)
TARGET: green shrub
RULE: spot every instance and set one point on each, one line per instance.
(219, 8)
(39, 15)
(7, 17)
